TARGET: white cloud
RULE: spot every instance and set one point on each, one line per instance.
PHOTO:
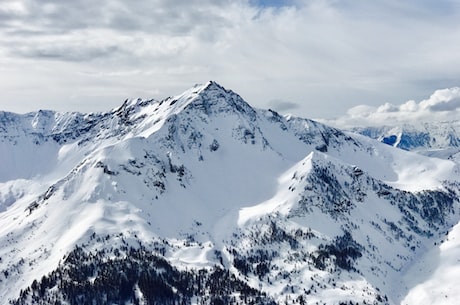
(442, 100)
(442, 105)
(324, 56)
(12, 8)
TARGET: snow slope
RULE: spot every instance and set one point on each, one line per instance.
(435, 275)
(292, 208)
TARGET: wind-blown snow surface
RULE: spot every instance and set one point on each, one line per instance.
(292, 208)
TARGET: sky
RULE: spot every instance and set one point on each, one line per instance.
(340, 60)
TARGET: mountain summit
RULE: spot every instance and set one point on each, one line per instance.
(202, 199)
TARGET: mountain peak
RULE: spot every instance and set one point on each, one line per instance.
(213, 98)
(212, 85)
(203, 188)
(210, 98)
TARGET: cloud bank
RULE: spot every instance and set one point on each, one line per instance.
(442, 105)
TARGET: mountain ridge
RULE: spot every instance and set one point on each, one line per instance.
(440, 139)
(203, 181)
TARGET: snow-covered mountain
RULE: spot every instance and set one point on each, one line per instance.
(202, 199)
(439, 139)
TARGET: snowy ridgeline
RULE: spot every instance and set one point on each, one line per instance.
(202, 199)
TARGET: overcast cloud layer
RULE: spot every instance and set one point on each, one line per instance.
(314, 58)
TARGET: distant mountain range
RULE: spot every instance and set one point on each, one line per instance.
(439, 139)
(202, 199)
